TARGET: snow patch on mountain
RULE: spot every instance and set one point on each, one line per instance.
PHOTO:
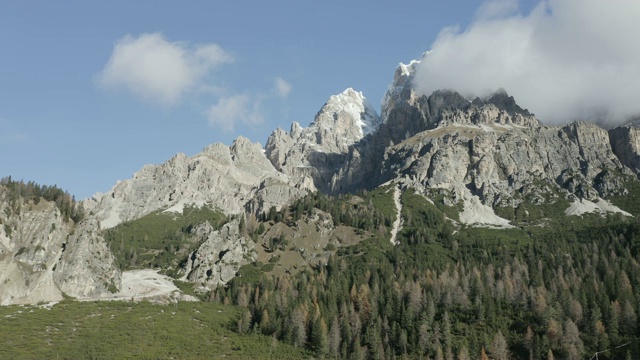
(354, 104)
(319, 149)
(402, 81)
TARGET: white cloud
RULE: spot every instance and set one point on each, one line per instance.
(282, 87)
(229, 111)
(159, 70)
(565, 60)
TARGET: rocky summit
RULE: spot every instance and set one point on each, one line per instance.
(316, 151)
(477, 155)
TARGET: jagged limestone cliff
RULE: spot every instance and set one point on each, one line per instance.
(42, 256)
(231, 179)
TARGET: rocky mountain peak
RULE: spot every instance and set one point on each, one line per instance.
(318, 150)
(503, 101)
(449, 107)
(406, 113)
(401, 88)
(349, 113)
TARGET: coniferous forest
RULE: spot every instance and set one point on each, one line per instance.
(19, 190)
(565, 290)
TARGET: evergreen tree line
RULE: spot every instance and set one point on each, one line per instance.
(355, 211)
(31, 191)
(560, 293)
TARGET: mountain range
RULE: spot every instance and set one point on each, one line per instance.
(486, 161)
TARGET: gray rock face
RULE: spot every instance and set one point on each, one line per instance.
(42, 257)
(220, 255)
(87, 269)
(490, 149)
(625, 142)
(231, 179)
(316, 151)
(499, 163)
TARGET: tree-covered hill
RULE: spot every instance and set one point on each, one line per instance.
(566, 290)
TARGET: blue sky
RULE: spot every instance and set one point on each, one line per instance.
(75, 113)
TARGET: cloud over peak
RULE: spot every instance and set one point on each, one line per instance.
(282, 87)
(159, 70)
(229, 111)
(565, 60)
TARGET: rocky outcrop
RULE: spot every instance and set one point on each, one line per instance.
(231, 179)
(625, 142)
(87, 268)
(43, 257)
(316, 151)
(220, 255)
(31, 243)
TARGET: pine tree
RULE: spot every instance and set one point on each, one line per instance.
(265, 326)
(528, 342)
(550, 355)
(334, 338)
(499, 348)
(439, 352)
(572, 343)
(318, 339)
(298, 327)
(483, 355)
(463, 353)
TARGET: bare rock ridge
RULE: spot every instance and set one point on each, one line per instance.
(500, 164)
(231, 179)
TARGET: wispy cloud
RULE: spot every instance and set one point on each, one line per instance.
(566, 59)
(159, 70)
(282, 87)
(232, 110)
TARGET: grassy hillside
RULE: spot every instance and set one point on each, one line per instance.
(123, 330)
(159, 239)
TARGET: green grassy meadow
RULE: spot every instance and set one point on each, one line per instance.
(125, 330)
